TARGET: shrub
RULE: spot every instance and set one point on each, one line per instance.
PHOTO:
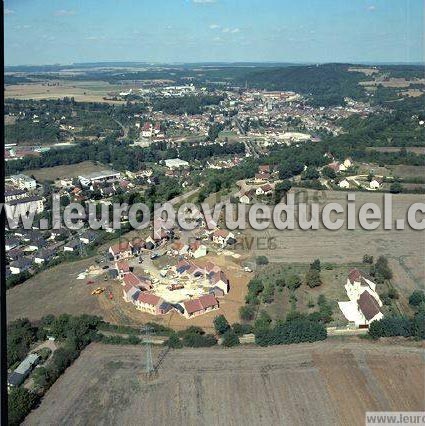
(416, 298)
(247, 312)
(262, 260)
(293, 282)
(221, 325)
(241, 329)
(230, 338)
(174, 341)
(20, 402)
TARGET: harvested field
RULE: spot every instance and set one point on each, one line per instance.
(325, 383)
(393, 82)
(348, 246)
(70, 171)
(408, 171)
(414, 149)
(87, 91)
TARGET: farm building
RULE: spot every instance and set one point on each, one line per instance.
(18, 376)
(364, 305)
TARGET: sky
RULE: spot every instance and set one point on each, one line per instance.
(69, 31)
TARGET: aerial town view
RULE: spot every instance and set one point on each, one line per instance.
(214, 212)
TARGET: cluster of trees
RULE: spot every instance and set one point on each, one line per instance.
(20, 335)
(217, 180)
(293, 331)
(196, 337)
(29, 133)
(228, 334)
(281, 189)
(402, 325)
(20, 402)
(399, 326)
(327, 84)
(381, 270)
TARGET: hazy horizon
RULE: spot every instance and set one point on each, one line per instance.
(41, 32)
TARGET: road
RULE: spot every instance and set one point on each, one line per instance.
(124, 129)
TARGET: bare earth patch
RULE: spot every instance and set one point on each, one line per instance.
(325, 383)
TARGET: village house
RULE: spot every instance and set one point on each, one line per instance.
(20, 265)
(245, 198)
(203, 304)
(147, 130)
(178, 248)
(334, 166)
(44, 256)
(88, 237)
(121, 250)
(264, 168)
(266, 189)
(72, 245)
(134, 281)
(344, 184)
(137, 245)
(197, 249)
(262, 177)
(130, 293)
(223, 237)
(152, 304)
(122, 267)
(219, 279)
(375, 183)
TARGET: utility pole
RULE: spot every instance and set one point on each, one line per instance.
(149, 368)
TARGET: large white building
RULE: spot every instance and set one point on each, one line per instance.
(97, 177)
(364, 305)
(175, 163)
(23, 206)
(24, 182)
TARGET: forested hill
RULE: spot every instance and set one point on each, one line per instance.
(328, 83)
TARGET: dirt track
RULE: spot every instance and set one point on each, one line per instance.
(325, 383)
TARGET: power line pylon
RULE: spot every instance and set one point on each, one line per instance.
(149, 367)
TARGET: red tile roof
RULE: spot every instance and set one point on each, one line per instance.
(193, 306)
(208, 301)
(123, 266)
(219, 276)
(120, 247)
(368, 305)
(149, 299)
(131, 279)
(224, 233)
(354, 276)
(128, 287)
